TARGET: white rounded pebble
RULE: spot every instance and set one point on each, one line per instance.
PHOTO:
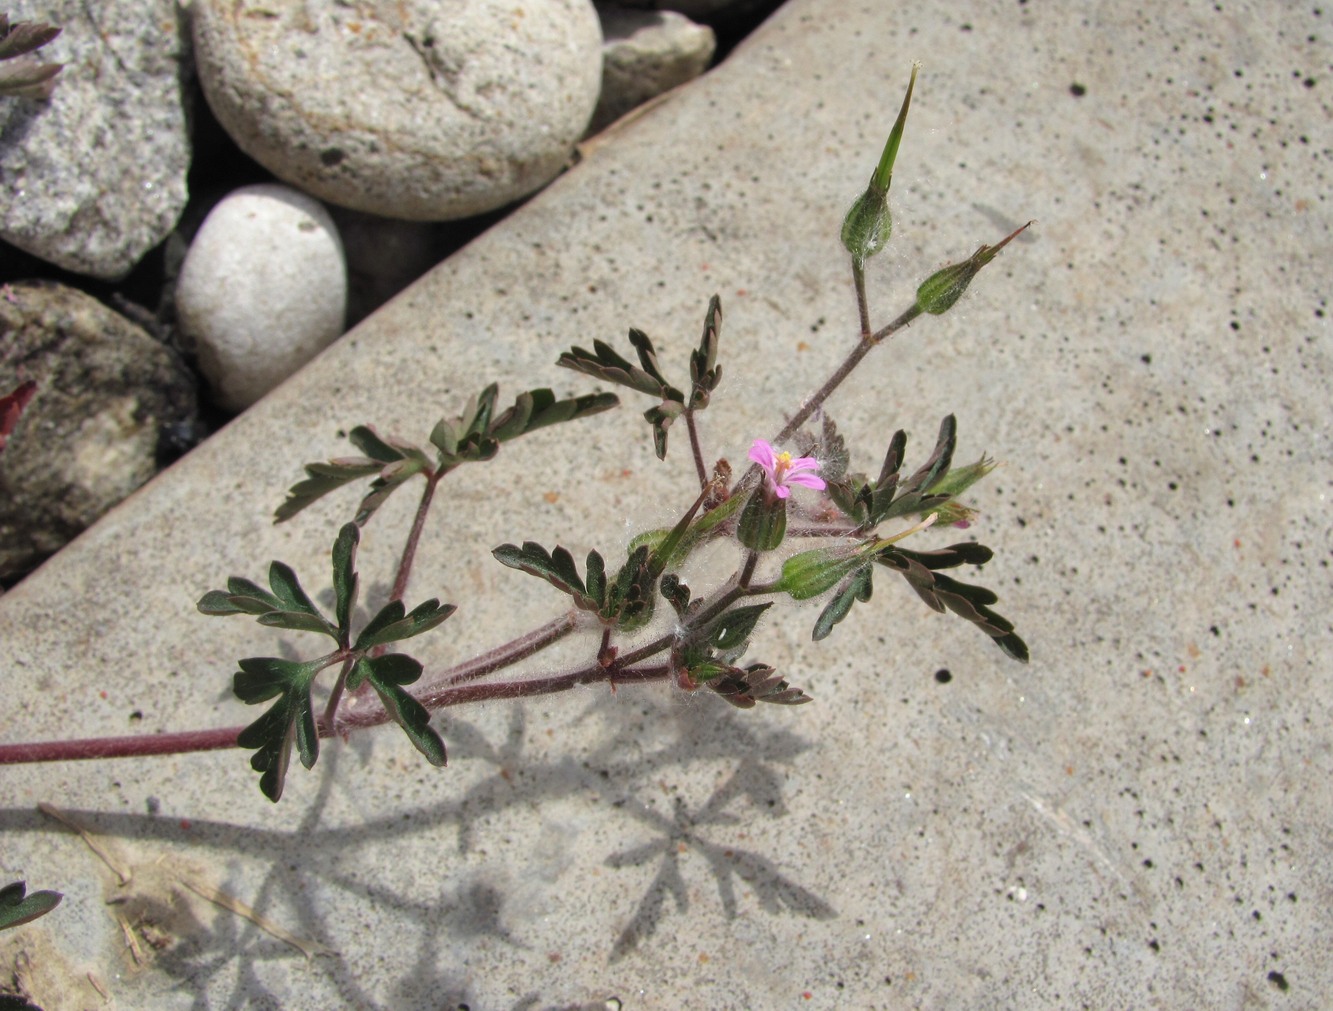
(417, 109)
(263, 289)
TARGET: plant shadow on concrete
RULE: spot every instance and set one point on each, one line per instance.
(190, 942)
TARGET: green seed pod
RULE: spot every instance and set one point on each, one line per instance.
(942, 289)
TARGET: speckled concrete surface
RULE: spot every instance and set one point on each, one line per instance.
(1139, 818)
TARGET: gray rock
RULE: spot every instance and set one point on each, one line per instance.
(384, 256)
(419, 110)
(108, 395)
(95, 177)
(645, 54)
(263, 289)
(701, 8)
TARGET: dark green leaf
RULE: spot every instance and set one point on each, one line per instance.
(391, 478)
(661, 417)
(240, 587)
(287, 588)
(290, 719)
(557, 568)
(941, 592)
(605, 363)
(676, 592)
(731, 629)
(857, 586)
(369, 441)
(386, 675)
(629, 601)
(344, 577)
(392, 625)
(596, 584)
(321, 479)
(16, 909)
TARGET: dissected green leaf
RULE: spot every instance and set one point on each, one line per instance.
(606, 364)
(17, 908)
(391, 477)
(322, 478)
(388, 674)
(392, 625)
(857, 586)
(629, 599)
(676, 592)
(756, 683)
(375, 446)
(344, 577)
(941, 592)
(289, 720)
(661, 417)
(556, 567)
(538, 409)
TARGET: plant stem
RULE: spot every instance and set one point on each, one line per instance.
(225, 737)
(120, 747)
(863, 348)
(414, 536)
(335, 696)
(862, 305)
(694, 445)
(511, 652)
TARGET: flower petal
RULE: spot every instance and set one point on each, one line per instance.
(805, 481)
(762, 453)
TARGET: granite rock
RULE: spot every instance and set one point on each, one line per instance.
(108, 397)
(95, 176)
(410, 111)
(645, 54)
(263, 289)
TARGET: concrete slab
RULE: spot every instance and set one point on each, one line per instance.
(1140, 817)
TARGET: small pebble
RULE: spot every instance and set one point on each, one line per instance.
(262, 290)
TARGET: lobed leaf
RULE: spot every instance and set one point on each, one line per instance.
(756, 683)
(321, 479)
(392, 625)
(942, 593)
(556, 567)
(388, 674)
(17, 908)
(345, 578)
(858, 586)
(289, 720)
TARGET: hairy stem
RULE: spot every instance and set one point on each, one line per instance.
(225, 737)
(511, 652)
(694, 445)
(862, 304)
(414, 536)
(863, 348)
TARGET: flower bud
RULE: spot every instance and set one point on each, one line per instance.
(763, 521)
(942, 289)
(811, 573)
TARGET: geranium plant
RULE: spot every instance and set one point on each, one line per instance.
(801, 487)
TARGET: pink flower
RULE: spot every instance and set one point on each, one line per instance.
(782, 471)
